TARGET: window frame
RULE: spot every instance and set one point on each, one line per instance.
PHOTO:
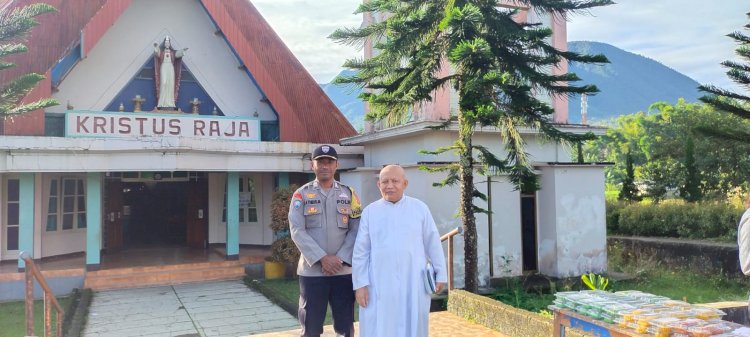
(4, 234)
(79, 212)
(244, 211)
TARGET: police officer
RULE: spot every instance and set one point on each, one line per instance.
(323, 220)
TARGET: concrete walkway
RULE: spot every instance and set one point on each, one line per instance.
(221, 309)
(442, 324)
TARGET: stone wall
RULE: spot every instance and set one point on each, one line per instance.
(506, 319)
(708, 256)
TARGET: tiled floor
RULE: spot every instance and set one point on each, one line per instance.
(139, 257)
(210, 309)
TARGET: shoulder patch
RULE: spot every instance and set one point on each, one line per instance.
(356, 205)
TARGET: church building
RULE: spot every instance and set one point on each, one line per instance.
(177, 120)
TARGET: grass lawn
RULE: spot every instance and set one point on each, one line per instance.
(13, 317)
(285, 292)
(650, 276)
(689, 284)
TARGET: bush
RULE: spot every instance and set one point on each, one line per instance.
(280, 208)
(708, 220)
(613, 209)
(283, 248)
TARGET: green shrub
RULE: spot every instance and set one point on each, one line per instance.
(613, 209)
(283, 248)
(280, 201)
(674, 219)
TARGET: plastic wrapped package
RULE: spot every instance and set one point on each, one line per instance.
(675, 303)
(643, 321)
(681, 328)
(584, 305)
(709, 330)
(612, 312)
(706, 313)
(662, 327)
(625, 323)
(629, 314)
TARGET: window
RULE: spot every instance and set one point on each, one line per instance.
(66, 204)
(248, 204)
(12, 211)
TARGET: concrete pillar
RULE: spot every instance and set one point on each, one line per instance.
(233, 215)
(26, 217)
(93, 220)
(283, 179)
(572, 233)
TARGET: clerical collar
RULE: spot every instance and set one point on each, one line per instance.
(397, 201)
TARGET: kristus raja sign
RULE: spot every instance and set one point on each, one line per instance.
(132, 125)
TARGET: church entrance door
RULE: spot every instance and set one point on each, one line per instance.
(156, 213)
(197, 213)
(113, 216)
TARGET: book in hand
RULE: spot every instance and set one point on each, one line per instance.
(430, 282)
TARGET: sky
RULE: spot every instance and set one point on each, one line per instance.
(686, 35)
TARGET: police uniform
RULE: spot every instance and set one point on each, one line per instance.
(324, 223)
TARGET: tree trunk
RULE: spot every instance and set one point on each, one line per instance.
(466, 173)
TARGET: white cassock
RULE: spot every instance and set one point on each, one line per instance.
(743, 240)
(394, 243)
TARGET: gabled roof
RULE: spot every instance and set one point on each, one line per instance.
(306, 114)
(56, 32)
(305, 110)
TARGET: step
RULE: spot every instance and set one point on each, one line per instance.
(162, 268)
(168, 275)
(48, 274)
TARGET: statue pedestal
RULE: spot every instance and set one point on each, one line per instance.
(167, 110)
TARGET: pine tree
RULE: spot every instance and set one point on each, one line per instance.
(14, 25)
(729, 101)
(496, 63)
(629, 191)
(691, 189)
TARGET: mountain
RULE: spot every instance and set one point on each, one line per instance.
(345, 98)
(628, 84)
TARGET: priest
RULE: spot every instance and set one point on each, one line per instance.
(397, 238)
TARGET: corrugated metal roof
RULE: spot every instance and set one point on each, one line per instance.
(306, 113)
(56, 33)
(47, 43)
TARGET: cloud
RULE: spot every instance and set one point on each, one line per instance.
(686, 35)
(305, 26)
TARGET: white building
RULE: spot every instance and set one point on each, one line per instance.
(557, 231)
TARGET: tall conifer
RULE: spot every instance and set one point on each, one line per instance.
(14, 25)
(730, 101)
(500, 70)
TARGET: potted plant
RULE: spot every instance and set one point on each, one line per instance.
(283, 249)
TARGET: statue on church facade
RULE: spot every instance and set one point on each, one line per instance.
(167, 65)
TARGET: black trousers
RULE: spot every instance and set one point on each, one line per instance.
(315, 293)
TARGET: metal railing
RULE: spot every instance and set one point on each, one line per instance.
(32, 272)
(449, 236)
